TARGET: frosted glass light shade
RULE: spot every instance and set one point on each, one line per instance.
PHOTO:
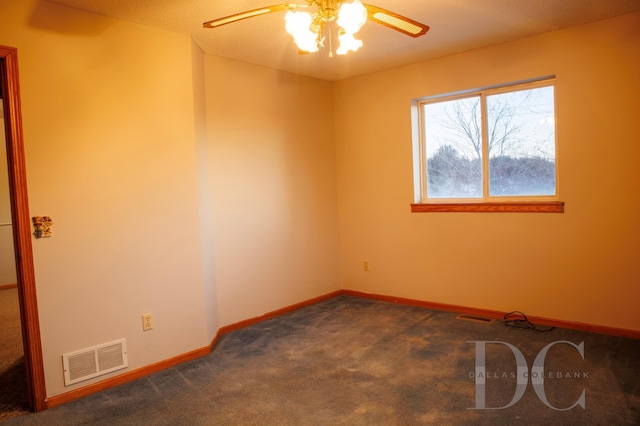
(298, 25)
(352, 16)
(348, 43)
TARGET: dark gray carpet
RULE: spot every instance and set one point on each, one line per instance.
(13, 382)
(10, 330)
(354, 361)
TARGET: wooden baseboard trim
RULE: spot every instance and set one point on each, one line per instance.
(129, 376)
(591, 328)
(8, 286)
(278, 312)
(172, 362)
(429, 305)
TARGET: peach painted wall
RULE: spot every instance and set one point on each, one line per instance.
(108, 117)
(583, 265)
(273, 174)
(204, 190)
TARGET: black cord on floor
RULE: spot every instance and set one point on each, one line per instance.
(519, 320)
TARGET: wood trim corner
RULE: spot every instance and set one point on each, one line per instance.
(278, 312)
(428, 305)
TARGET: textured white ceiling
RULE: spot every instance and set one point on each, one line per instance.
(456, 25)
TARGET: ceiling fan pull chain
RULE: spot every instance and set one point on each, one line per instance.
(330, 41)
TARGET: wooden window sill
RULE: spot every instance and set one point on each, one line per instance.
(492, 207)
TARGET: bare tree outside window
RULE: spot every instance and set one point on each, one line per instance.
(520, 143)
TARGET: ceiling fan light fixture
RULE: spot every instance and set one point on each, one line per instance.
(352, 16)
(307, 29)
(347, 43)
(298, 25)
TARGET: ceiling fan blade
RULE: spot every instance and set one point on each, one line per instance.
(250, 14)
(396, 22)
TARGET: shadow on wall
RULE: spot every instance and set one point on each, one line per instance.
(47, 16)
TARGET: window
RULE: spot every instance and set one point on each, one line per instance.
(488, 150)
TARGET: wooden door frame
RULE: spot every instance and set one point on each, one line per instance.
(20, 219)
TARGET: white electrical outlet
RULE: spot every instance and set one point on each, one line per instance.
(146, 322)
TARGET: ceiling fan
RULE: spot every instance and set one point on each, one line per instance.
(307, 29)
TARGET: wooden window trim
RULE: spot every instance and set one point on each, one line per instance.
(491, 207)
(512, 204)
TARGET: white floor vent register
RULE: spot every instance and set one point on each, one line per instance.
(96, 361)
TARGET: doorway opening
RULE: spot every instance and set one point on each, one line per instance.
(33, 369)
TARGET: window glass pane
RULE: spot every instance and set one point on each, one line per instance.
(453, 139)
(521, 143)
